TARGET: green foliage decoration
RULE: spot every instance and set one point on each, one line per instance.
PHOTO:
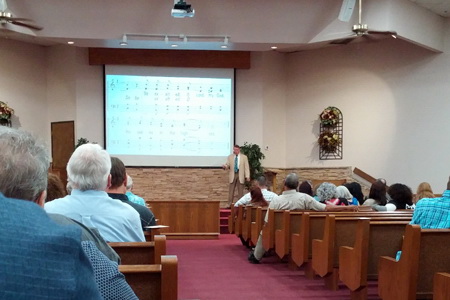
(81, 141)
(254, 155)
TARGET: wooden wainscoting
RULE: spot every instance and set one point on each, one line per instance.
(187, 219)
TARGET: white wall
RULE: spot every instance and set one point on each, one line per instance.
(260, 106)
(393, 95)
(394, 99)
(23, 85)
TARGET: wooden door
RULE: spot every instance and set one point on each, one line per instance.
(63, 143)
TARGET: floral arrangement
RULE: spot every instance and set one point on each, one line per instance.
(329, 116)
(329, 141)
(5, 111)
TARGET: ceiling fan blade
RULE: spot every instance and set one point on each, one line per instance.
(31, 26)
(3, 5)
(382, 32)
(346, 10)
(343, 41)
(19, 19)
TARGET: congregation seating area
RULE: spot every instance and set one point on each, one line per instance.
(354, 248)
(151, 273)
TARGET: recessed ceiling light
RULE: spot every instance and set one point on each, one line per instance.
(70, 42)
(174, 45)
(274, 47)
(224, 46)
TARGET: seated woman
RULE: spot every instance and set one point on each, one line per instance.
(55, 188)
(355, 189)
(257, 198)
(326, 193)
(377, 194)
(343, 193)
(401, 196)
(306, 188)
(423, 191)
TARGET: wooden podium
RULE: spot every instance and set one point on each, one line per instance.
(187, 219)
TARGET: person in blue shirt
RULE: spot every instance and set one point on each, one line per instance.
(88, 173)
(433, 212)
(42, 256)
(132, 197)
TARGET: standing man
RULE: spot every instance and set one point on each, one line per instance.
(237, 163)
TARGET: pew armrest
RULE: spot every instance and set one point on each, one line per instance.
(159, 281)
(441, 286)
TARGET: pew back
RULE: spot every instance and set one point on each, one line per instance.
(441, 286)
(257, 225)
(424, 253)
(274, 222)
(154, 282)
(141, 253)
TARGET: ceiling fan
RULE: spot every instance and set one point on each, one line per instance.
(359, 30)
(7, 17)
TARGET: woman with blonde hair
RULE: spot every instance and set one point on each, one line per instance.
(423, 191)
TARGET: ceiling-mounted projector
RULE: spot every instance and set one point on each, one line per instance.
(182, 10)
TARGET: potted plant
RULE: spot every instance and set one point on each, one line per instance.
(81, 141)
(254, 155)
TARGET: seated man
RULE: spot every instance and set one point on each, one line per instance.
(37, 257)
(55, 190)
(433, 212)
(290, 199)
(132, 197)
(45, 248)
(88, 172)
(262, 184)
(118, 189)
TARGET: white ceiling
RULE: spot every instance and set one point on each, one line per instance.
(440, 7)
(291, 25)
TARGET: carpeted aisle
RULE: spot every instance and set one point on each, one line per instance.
(218, 269)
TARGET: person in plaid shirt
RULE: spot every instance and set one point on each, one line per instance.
(433, 213)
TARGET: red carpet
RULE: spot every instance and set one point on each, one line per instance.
(218, 269)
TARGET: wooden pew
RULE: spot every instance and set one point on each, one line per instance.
(424, 252)
(274, 222)
(441, 286)
(257, 225)
(339, 231)
(150, 234)
(312, 227)
(249, 215)
(291, 225)
(238, 221)
(141, 253)
(154, 282)
(231, 219)
(358, 263)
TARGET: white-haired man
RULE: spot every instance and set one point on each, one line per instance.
(262, 184)
(88, 172)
